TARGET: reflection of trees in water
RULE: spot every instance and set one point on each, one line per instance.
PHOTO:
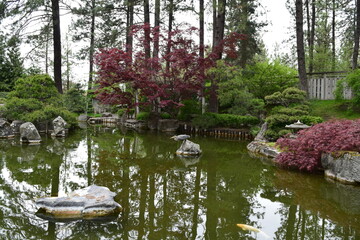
(316, 209)
(152, 182)
(28, 172)
(163, 196)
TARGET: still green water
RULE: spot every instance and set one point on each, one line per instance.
(167, 197)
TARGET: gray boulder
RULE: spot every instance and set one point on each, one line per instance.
(5, 129)
(88, 203)
(15, 125)
(59, 127)
(29, 133)
(344, 168)
(189, 148)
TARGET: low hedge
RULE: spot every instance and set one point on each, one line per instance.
(211, 120)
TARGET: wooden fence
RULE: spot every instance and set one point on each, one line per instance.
(322, 85)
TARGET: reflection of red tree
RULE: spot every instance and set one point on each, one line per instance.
(160, 86)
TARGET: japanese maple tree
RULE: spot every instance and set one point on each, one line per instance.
(120, 76)
(304, 152)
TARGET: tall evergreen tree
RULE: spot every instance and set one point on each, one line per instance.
(219, 10)
(57, 44)
(356, 37)
(300, 44)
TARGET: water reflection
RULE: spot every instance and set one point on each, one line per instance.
(167, 197)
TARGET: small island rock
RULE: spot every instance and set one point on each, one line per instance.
(59, 127)
(29, 133)
(5, 129)
(88, 203)
(189, 148)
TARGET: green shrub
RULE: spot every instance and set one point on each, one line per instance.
(206, 120)
(209, 120)
(35, 99)
(121, 112)
(233, 92)
(352, 80)
(39, 87)
(283, 132)
(3, 95)
(165, 115)
(265, 78)
(311, 120)
(287, 97)
(143, 116)
(288, 107)
(190, 108)
(75, 101)
(16, 108)
(288, 111)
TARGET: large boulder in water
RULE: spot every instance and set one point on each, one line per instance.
(29, 133)
(189, 148)
(15, 125)
(59, 127)
(88, 203)
(5, 129)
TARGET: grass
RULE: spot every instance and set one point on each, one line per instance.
(333, 109)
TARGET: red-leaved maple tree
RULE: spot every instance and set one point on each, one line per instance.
(304, 152)
(122, 75)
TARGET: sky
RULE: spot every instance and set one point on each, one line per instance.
(280, 21)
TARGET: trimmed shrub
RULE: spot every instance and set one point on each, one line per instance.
(17, 108)
(206, 120)
(143, 116)
(165, 115)
(304, 152)
(288, 107)
(209, 120)
(36, 99)
(39, 87)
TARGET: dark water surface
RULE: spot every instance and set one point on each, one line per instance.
(167, 197)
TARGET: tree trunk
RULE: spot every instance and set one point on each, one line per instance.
(312, 37)
(218, 35)
(356, 36)
(218, 25)
(57, 44)
(300, 45)
(244, 53)
(157, 26)
(170, 25)
(92, 43)
(147, 29)
(333, 36)
(129, 23)
(201, 50)
(201, 33)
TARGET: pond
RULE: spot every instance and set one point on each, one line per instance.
(164, 196)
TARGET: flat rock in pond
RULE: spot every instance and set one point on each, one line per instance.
(88, 203)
